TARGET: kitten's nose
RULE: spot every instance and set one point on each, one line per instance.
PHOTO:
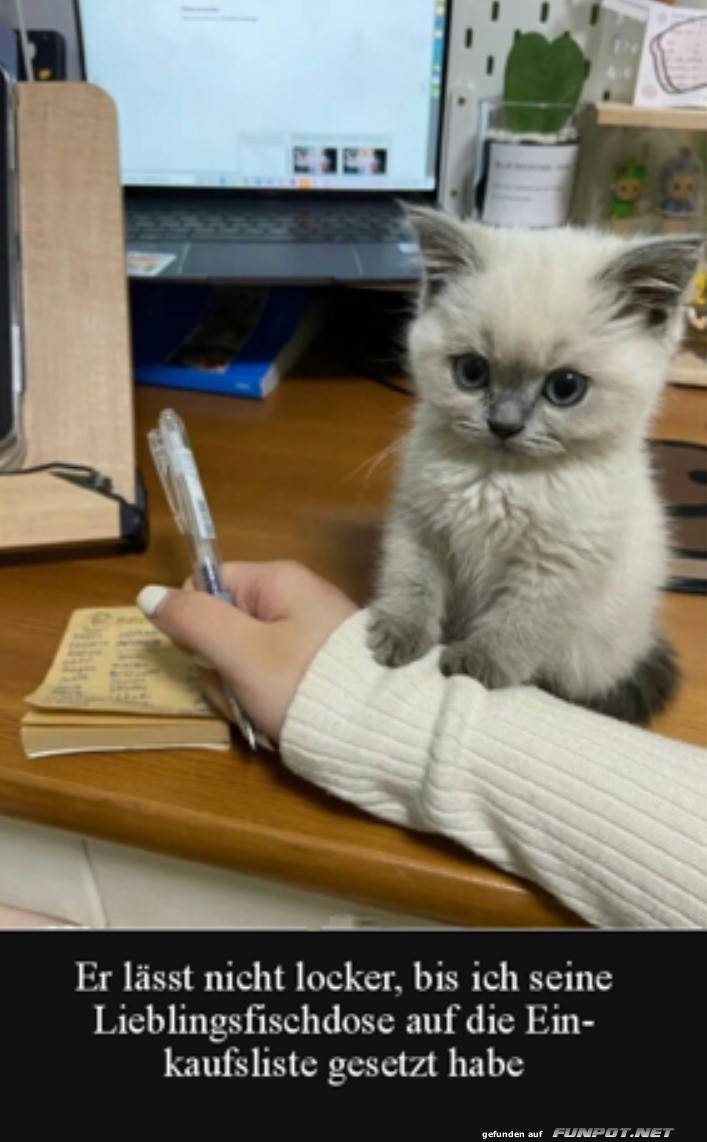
(505, 426)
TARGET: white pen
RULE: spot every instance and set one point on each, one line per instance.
(182, 485)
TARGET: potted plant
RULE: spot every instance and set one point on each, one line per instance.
(529, 139)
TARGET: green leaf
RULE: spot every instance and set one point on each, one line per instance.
(538, 71)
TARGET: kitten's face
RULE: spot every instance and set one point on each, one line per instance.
(540, 343)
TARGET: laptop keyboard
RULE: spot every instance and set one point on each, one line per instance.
(276, 222)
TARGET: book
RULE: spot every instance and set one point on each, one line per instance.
(116, 683)
(231, 340)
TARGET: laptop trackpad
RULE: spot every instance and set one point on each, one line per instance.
(272, 262)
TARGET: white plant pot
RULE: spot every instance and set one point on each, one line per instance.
(524, 178)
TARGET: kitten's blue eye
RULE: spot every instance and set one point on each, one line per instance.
(563, 387)
(471, 372)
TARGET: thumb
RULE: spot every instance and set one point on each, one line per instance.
(198, 622)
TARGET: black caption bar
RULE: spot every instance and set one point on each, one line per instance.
(528, 1025)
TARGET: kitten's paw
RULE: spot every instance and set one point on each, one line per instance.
(395, 642)
(463, 658)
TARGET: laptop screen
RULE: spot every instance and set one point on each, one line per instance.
(276, 94)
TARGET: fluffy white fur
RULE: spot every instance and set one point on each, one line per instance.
(538, 557)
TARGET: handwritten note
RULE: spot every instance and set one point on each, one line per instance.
(673, 68)
(113, 659)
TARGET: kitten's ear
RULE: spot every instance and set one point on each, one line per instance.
(651, 277)
(447, 248)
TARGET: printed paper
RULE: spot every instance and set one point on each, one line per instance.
(673, 68)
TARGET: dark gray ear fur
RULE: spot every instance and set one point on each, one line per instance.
(650, 277)
(446, 246)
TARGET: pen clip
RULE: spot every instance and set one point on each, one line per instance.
(164, 471)
(188, 500)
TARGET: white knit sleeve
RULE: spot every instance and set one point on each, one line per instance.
(610, 819)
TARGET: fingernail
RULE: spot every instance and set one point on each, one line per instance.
(150, 598)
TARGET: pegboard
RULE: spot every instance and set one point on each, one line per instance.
(481, 35)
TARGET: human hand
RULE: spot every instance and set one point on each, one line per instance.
(262, 646)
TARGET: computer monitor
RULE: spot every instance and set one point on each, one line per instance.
(325, 95)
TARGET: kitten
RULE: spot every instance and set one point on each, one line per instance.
(525, 531)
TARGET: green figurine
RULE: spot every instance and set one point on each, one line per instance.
(626, 189)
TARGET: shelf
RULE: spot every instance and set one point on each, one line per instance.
(690, 367)
(667, 118)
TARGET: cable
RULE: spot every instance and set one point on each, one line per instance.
(80, 474)
(53, 464)
(379, 379)
(24, 40)
(93, 480)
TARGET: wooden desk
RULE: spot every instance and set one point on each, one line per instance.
(297, 476)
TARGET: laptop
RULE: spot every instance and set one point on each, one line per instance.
(272, 140)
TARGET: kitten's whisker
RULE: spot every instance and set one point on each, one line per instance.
(373, 463)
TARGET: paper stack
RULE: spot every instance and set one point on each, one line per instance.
(116, 683)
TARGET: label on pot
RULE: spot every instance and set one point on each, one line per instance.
(529, 184)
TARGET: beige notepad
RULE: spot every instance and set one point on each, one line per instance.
(117, 683)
